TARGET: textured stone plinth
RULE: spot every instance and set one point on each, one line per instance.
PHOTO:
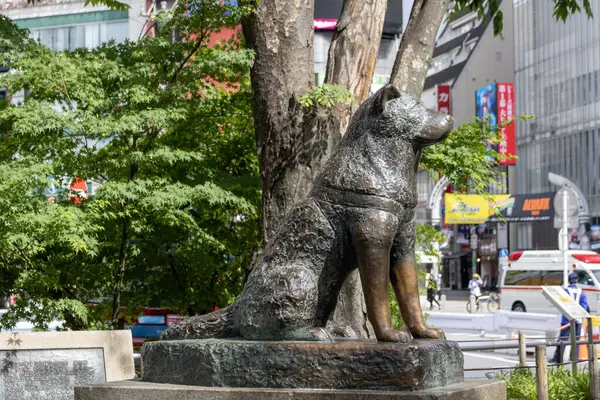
(316, 365)
(135, 390)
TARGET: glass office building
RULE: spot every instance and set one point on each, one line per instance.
(557, 79)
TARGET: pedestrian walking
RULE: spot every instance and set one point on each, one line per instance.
(431, 291)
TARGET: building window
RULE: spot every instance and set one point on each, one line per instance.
(88, 36)
(524, 235)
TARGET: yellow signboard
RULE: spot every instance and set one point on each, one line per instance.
(472, 208)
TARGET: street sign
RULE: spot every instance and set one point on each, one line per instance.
(503, 253)
(571, 206)
(565, 303)
(474, 239)
(572, 222)
(570, 209)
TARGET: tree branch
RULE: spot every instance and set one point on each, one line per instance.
(355, 44)
(416, 48)
(202, 38)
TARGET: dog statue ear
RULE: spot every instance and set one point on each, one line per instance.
(382, 97)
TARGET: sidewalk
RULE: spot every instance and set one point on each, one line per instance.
(461, 295)
(452, 306)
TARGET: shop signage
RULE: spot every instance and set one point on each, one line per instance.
(443, 98)
(324, 24)
(526, 208)
(471, 208)
(506, 112)
(476, 209)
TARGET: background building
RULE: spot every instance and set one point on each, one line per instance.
(69, 24)
(557, 79)
(327, 12)
(467, 57)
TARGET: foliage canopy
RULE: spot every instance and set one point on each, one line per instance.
(164, 130)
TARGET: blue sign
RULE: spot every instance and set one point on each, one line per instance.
(486, 107)
(503, 253)
(151, 320)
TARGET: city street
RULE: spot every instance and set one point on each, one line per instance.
(485, 359)
(456, 303)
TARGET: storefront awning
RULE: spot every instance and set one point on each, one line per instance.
(456, 255)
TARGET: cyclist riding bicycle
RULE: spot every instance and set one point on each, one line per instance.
(475, 286)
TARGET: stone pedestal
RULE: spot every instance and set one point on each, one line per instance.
(136, 390)
(363, 365)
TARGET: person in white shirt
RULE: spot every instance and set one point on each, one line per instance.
(475, 286)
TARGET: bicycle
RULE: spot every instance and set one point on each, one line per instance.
(491, 302)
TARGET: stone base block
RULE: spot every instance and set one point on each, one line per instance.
(137, 390)
(366, 365)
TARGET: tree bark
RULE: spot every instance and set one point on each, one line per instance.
(281, 34)
(118, 323)
(354, 47)
(416, 48)
(120, 276)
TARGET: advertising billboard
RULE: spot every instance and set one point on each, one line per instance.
(526, 208)
(505, 94)
(471, 208)
(485, 104)
(497, 102)
(476, 209)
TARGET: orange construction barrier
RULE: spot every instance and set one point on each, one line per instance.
(583, 348)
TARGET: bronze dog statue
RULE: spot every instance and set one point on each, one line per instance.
(359, 214)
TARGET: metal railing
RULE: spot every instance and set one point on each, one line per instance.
(541, 363)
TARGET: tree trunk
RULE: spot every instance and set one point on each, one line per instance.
(120, 276)
(118, 323)
(416, 48)
(281, 34)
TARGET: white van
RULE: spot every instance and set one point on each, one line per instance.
(527, 271)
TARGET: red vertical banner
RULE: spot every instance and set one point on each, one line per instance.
(443, 98)
(506, 111)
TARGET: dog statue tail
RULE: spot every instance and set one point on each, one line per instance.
(217, 324)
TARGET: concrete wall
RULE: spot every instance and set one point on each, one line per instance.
(491, 60)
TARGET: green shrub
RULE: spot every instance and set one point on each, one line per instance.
(562, 384)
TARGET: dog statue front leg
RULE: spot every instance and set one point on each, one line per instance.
(372, 235)
(405, 281)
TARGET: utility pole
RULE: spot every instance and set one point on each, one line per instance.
(474, 249)
(565, 237)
